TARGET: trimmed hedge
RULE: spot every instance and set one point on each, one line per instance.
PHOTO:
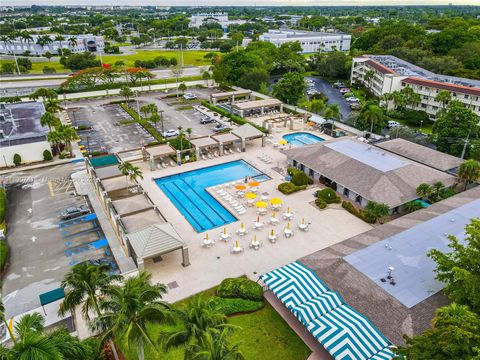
(320, 203)
(235, 118)
(242, 288)
(357, 212)
(47, 155)
(299, 178)
(328, 195)
(145, 124)
(3, 255)
(17, 159)
(3, 205)
(289, 188)
(230, 306)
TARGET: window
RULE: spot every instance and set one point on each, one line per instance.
(465, 96)
(425, 97)
(424, 106)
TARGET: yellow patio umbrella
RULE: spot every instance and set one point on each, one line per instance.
(251, 196)
(261, 204)
(283, 142)
(275, 201)
(254, 183)
(240, 187)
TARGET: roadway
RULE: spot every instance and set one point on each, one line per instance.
(23, 85)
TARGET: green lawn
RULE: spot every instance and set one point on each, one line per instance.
(263, 335)
(190, 58)
(426, 127)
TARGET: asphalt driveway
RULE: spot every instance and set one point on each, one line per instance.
(334, 96)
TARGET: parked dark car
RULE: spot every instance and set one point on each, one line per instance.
(74, 211)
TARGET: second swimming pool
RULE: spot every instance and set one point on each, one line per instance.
(187, 192)
(302, 138)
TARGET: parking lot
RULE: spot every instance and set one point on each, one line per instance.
(43, 246)
(111, 129)
(333, 95)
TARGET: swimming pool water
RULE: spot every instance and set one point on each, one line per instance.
(187, 192)
(302, 138)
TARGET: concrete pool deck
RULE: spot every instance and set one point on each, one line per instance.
(209, 266)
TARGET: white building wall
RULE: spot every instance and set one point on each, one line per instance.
(310, 43)
(29, 152)
(20, 47)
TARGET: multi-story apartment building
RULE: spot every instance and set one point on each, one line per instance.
(310, 41)
(84, 42)
(382, 74)
(198, 20)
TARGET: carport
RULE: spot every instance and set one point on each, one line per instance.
(247, 132)
(225, 139)
(158, 152)
(230, 96)
(155, 241)
(245, 108)
(204, 143)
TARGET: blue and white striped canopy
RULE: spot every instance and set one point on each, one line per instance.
(294, 284)
(345, 333)
(316, 307)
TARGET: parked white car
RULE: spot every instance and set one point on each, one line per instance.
(189, 96)
(392, 124)
(171, 133)
(352, 99)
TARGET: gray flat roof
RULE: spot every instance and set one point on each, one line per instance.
(407, 253)
(230, 93)
(107, 172)
(140, 220)
(160, 150)
(20, 123)
(226, 138)
(367, 155)
(115, 183)
(247, 131)
(203, 142)
(132, 204)
(255, 104)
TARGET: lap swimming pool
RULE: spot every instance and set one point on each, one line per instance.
(302, 138)
(187, 192)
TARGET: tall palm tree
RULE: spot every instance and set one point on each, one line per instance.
(50, 120)
(135, 173)
(72, 41)
(55, 138)
(369, 74)
(214, 345)
(128, 308)
(84, 284)
(26, 37)
(443, 97)
(200, 315)
(125, 168)
(372, 114)
(3, 319)
(126, 92)
(9, 39)
(68, 135)
(332, 112)
(469, 172)
(52, 105)
(60, 38)
(424, 191)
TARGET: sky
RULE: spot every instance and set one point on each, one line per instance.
(243, 3)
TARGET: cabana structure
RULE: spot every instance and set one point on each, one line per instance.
(247, 132)
(158, 152)
(205, 143)
(155, 241)
(257, 106)
(227, 139)
(230, 96)
(107, 172)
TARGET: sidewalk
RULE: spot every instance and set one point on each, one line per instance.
(318, 351)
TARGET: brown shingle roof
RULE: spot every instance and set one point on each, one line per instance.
(442, 86)
(421, 154)
(394, 187)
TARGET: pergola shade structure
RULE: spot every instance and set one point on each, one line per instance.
(132, 204)
(226, 139)
(140, 220)
(153, 153)
(248, 132)
(205, 143)
(107, 172)
(155, 241)
(229, 95)
(343, 332)
(247, 107)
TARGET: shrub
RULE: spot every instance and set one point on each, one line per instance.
(17, 159)
(299, 178)
(328, 195)
(49, 70)
(357, 212)
(229, 306)
(242, 288)
(25, 62)
(320, 203)
(47, 155)
(3, 205)
(3, 255)
(289, 188)
(447, 192)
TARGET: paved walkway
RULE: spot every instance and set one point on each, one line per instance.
(318, 351)
(84, 186)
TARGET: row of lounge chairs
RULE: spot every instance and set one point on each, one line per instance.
(164, 164)
(232, 201)
(265, 158)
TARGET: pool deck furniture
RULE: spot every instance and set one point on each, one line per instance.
(237, 250)
(288, 232)
(225, 237)
(274, 221)
(258, 225)
(255, 244)
(304, 227)
(287, 215)
(272, 238)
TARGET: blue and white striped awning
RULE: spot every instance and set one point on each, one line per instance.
(345, 333)
(294, 284)
(316, 307)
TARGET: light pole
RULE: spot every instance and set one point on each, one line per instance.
(421, 125)
(136, 100)
(161, 119)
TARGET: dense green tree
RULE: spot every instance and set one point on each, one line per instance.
(126, 92)
(290, 88)
(376, 211)
(469, 172)
(453, 126)
(129, 307)
(455, 335)
(371, 118)
(333, 65)
(459, 268)
(79, 61)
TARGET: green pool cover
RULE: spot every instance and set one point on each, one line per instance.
(103, 161)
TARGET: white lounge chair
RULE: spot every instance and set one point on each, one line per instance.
(204, 157)
(215, 154)
(209, 155)
(241, 212)
(172, 163)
